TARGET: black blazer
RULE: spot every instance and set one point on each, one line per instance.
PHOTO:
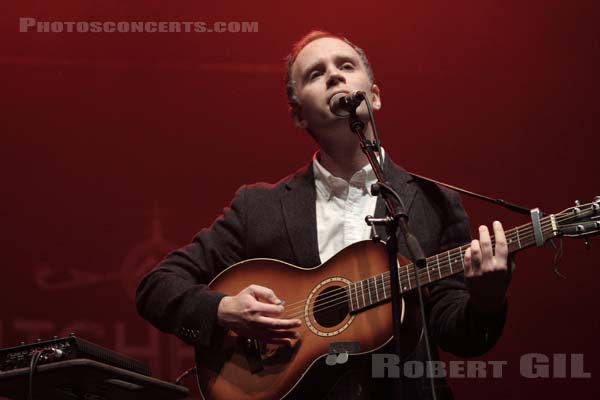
(279, 221)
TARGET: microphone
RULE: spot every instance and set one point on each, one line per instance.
(342, 104)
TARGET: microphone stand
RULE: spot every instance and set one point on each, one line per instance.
(396, 219)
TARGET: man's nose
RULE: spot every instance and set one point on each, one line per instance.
(334, 78)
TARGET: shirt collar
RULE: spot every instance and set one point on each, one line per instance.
(329, 185)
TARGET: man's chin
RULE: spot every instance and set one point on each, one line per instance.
(333, 130)
(332, 123)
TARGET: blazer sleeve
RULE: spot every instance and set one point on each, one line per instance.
(453, 323)
(175, 298)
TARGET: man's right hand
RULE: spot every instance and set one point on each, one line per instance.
(252, 313)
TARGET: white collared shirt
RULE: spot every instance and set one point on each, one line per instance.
(342, 207)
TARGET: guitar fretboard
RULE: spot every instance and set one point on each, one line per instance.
(377, 289)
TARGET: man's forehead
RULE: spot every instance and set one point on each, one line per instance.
(321, 49)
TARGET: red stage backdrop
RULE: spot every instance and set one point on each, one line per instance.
(117, 147)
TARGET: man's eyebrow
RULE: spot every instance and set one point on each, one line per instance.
(346, 57)
(338, 59)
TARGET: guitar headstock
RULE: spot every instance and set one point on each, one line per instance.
(580, 220)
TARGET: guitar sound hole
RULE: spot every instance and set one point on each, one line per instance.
(331, 306)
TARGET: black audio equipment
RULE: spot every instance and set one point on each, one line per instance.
(67, 348)
(71, 368)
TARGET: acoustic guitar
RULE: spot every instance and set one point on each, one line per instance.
(345, 308)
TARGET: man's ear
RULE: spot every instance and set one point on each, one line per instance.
(299, 122)
(375, 97)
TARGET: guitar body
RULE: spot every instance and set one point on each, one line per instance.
(242, 369)
(343, 302)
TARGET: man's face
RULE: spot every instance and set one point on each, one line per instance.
(323, 68)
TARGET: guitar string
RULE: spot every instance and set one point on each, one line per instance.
(344, 300)
(405, 273)
(513, 234)
(346, 292)
(343, 297)
(421, 274)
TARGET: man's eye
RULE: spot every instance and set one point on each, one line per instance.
(314, 75)
(348, 66)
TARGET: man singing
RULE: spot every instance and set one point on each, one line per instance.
(311, 215)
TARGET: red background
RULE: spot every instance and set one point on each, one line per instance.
(104, 134)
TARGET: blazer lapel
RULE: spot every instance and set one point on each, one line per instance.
(299, 212)
(298, 205)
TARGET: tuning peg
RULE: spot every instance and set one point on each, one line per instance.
(596, 199)
(577, 203)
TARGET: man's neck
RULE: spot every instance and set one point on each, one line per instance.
(343, 162)
(340, 151)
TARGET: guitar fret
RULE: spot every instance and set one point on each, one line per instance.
(450, 261)
(399, 279)
(356, 294)
(376, 288)
(428, 275)
(369, 289)
(383, 284)
(437, 260)
(518, 239)
(350, 297)
(462, 258)
(362, 291)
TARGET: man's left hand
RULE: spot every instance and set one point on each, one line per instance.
(488, 270)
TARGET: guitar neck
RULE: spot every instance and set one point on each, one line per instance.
(377, 289)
